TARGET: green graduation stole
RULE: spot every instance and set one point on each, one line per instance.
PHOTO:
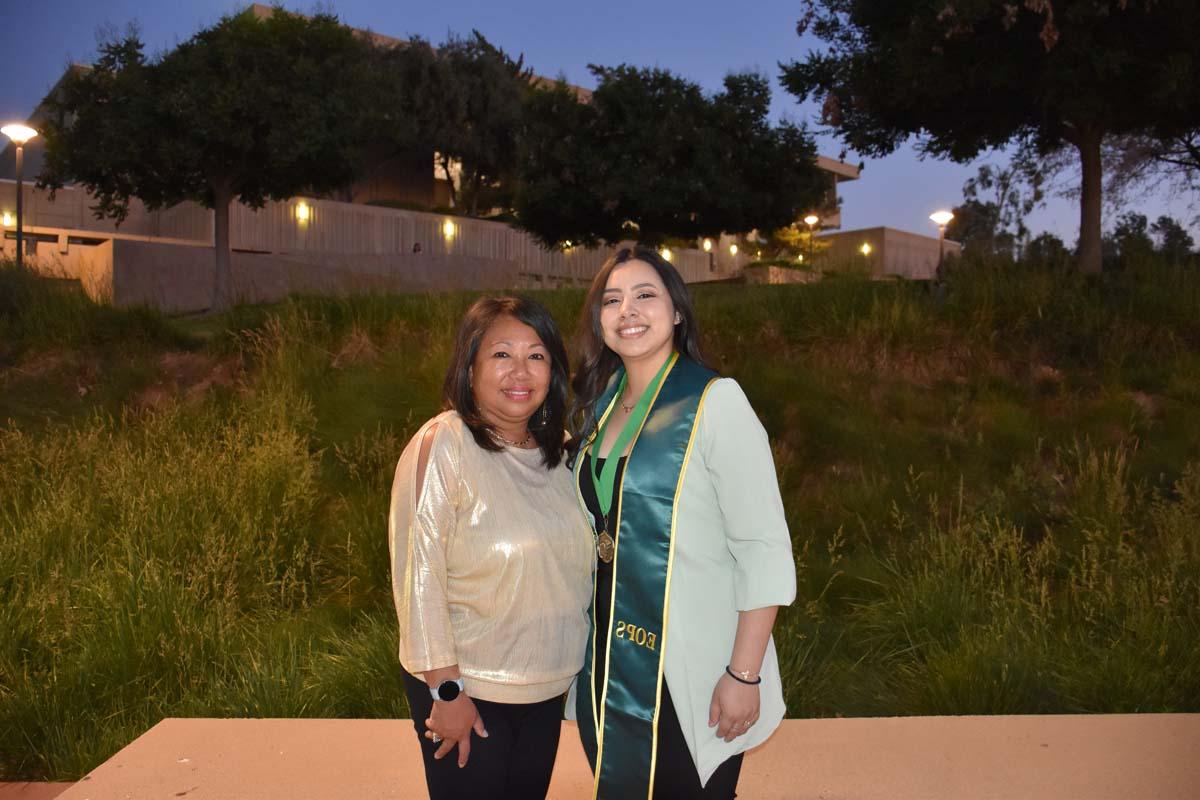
(619, 729)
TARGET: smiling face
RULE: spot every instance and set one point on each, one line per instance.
(510, 375)
(637, 316)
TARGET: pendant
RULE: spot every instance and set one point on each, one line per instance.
(606, 548)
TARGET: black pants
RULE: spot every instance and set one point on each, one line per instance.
(675, 776)
(513, 763)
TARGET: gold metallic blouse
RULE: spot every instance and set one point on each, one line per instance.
(491, 566)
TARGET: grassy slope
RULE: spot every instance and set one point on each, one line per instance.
(995, 499)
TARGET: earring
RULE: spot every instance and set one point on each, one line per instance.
(678, 318)
(544, 415)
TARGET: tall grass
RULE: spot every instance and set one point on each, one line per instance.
(37, 312)
(994, 496)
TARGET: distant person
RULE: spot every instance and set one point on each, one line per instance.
(416, 248)
(676, 474)
(491, 560)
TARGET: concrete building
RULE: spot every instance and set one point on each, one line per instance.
(883, 252)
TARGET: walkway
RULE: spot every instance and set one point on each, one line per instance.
(1102, 757)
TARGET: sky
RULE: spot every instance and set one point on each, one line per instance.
(702, 40)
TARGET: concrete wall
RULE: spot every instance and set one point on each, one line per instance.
(179, 279)
(177, 276)
(165, 258)
(70, 209)
(893, 252)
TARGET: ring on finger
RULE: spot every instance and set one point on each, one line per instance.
(436, 739)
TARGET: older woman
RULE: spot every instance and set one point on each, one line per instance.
(491, 560)
(695, 558)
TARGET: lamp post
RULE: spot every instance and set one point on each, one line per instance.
(810, 221)
(941, 219)
(20, 134)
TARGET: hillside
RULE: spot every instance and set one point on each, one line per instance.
(994, 499)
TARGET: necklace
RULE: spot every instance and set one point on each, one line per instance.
(510, 442)
(627, 408)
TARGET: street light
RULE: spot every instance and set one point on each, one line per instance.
(941, 219)
(810, 221)
(20, 134)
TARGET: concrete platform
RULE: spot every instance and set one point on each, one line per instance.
(1101, 757)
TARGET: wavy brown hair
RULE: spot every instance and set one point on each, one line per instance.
(457, 393)
(597, 362)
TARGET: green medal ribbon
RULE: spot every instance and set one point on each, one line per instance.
(619, 724)
(604, 478)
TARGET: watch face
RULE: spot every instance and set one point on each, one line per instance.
(447, 690)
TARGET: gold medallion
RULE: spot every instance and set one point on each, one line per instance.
(606, 548)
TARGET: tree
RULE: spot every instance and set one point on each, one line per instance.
(413, 93)
(1131, 238)
(556, 196)
(1047, 249)
(996, 226)
(652, 157)
(1174, 243)
(464, 101)
(976, 226)
(968, 75)
(249, 109)
(1140, 160)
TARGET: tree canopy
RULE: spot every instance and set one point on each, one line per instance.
(651, 156)
(249, 109)
(991, 219)
(968, 75)
(462, 101)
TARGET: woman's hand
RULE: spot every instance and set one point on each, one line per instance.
(450, 723)
(734, 708)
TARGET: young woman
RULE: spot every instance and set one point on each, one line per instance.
(491, 560)
(694, 556)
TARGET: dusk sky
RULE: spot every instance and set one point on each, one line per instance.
(701, 40)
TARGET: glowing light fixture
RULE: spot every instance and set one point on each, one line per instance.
(800, 258)
(666, 254)
(707, 245)
(20, 134)
(810, 221)
(866, 248)
(303, 212)
(8, 219)
(941, 218)
(449, 229)
(733, 249)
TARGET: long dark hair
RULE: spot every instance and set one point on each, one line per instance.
(456, 391)
(597, 361)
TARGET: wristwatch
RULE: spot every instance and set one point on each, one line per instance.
(448, 690)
